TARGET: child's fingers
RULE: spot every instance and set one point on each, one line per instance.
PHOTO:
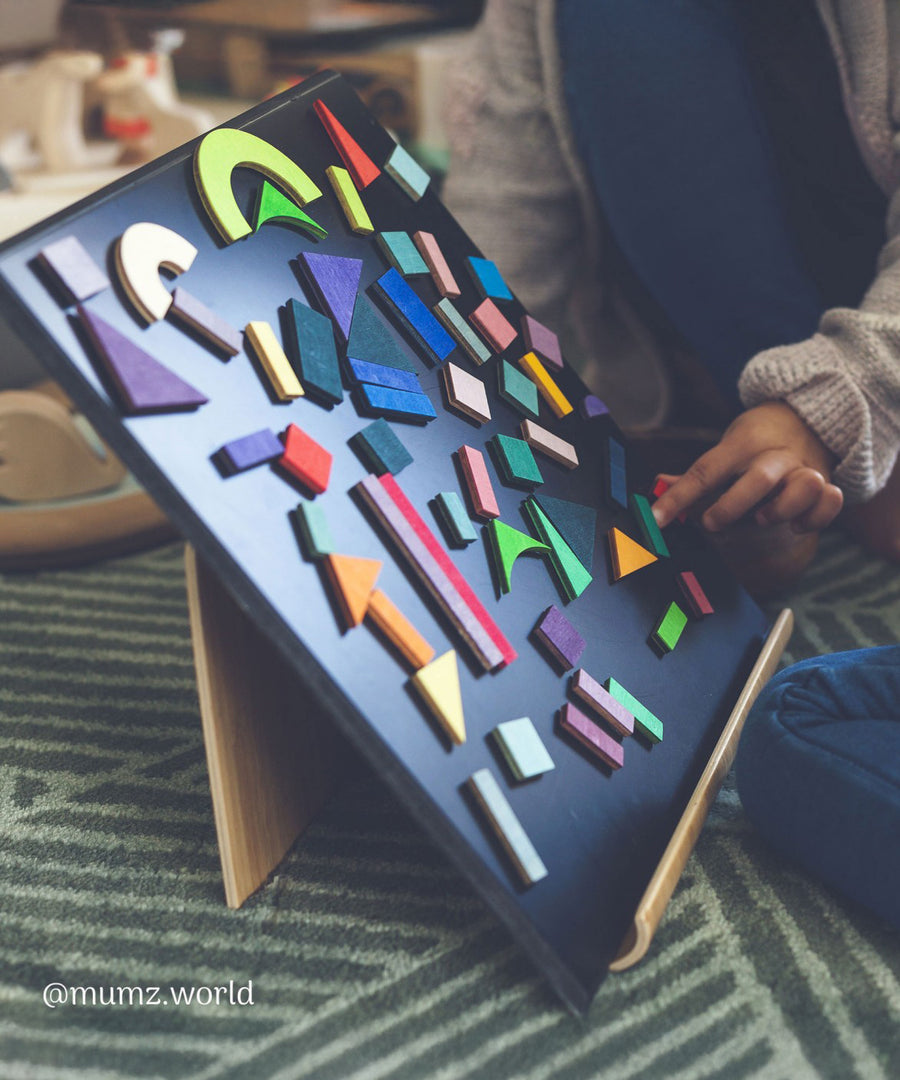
(799, 495)
(823, 513)
(765, 474)
(706, 475)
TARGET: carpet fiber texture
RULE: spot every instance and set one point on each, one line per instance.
(369, 957)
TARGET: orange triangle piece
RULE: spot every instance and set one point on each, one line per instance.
(356, 161)
(353, 580)
(627, 554)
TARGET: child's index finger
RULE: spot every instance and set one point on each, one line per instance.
(669, 506)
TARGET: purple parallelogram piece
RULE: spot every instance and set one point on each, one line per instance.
(143, 385)
(73, 269)
(335, 281)
(596, 740)
(592, 406)
(540, 339)
(560, 638)
(251, 450)
(599, 699)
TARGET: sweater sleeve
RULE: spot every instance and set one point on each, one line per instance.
(844, 381)
(510, 184)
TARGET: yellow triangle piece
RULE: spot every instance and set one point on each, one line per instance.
(627, 554)
(438, 683)
(353, 580)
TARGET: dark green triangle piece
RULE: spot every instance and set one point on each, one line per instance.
(371, 339)
(274, 206)
(575, 523)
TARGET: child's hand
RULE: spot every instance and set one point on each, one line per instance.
(769, 459)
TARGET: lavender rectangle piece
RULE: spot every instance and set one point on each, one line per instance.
(599, 699)
(560, 637)
(251, 450)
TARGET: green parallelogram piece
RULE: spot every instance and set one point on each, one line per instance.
(401, 253)
(646, 522)
(507, 544)
(381, 448)
(518, 391)
(515, 462)
(572, 575)
(457, 523)
(312, 528)
(645, 722)
(273, 206)
(668, 629)
(459, 329)
(312, 352)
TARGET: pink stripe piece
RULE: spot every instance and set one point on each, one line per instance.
(484, 501)
(588, 734)
(599, 699)
(437, 265)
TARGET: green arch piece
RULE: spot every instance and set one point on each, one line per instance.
(507, 544)
(222, 151)
(273, 206)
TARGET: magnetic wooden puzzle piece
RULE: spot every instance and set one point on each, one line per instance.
(272, 205)
(452, 514)
(487, 279)
(493, 325)
(438, 685)
(660, 487)
(601, 701)
(334, 281)
(313, 529)
(667, 632)
(627, 555)
(645, 722)
(592, 406)
(381, 448)
(506, 826)
(401, 253)
(222, 151)
(576, 524)
(541, 340)
(142, 384)
(364, 371)
(371, 339)
(218, 333)
(397, 404)
(313, 352)
(413, 317)
(238, 455)
(73, 270)
(352, 580)
(522, 748)
(571, 573)
(559, 404)
(466, 393)
(407, 173)
(465, 336)
(350, 202)
(399, 631)
(305, 459)
(275, 364)
(616, 474)
(517, 390)
(507, 544)
(140, 253)
(646, 522)
(478, 483)
(694, 596)
(438, 267)
(436, 570)
(591, 736)
(515, 462)
(555, 448)
(357, 162)
(560, 638)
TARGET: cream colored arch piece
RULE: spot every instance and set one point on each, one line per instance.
(143, 249)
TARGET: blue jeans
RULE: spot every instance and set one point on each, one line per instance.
(818, 772)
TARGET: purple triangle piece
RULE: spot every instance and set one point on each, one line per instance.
(335, 281)
(592, 406)
(142, 383)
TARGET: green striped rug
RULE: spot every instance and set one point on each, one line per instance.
(369, 957)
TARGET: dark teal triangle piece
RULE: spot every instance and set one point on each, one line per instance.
(575, 523)
(371, 339)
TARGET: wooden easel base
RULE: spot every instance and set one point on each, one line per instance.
(272, 761)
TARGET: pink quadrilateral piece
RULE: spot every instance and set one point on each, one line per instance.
(592, 737)
(493, 325)
(478, 482)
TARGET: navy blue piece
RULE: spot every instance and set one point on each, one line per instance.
(401, 405)
(818, 772)
(414, 317)
(381, 375)
(488, 279)
(251, 450)
(680, 160)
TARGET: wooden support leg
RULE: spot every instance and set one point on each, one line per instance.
(272, 760)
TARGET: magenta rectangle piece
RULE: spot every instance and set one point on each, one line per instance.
(596, 740)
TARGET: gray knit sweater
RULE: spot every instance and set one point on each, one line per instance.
(518, 187)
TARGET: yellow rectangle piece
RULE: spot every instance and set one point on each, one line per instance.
(549, 391)
(346, 194)
(282, 377)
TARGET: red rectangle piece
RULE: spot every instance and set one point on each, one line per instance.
(305, 459)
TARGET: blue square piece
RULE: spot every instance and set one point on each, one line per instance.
(488, 279)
